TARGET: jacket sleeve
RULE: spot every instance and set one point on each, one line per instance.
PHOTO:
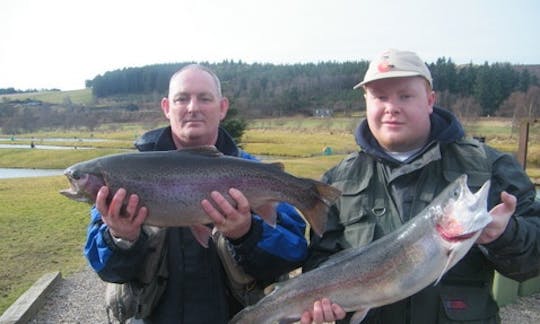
(110, 262)
(516, 253)
(267, 252)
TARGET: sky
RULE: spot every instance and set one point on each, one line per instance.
(47, 44)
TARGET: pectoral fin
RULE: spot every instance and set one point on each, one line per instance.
(201, 233)
(359, 316)
(267, 213)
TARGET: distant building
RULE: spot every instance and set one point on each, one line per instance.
(323, 112)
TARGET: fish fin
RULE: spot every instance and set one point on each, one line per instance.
(318, 213)
(201, 233)
(449, 261)
(288, 320)
(278, 165)
(208, 150)
(358, 316)
(267, 213)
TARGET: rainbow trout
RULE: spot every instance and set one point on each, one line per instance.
(171, 184)
(392, 268)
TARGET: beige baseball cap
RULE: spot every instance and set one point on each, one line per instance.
(394, 63)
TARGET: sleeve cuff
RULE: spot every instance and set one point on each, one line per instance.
(506, 238)
(116, 243)
(250, 239)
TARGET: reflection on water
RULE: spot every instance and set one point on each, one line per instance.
(36, 142)
(54, 139)
(42, 147)
(7, 173)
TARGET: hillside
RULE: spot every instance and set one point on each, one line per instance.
(78, 97)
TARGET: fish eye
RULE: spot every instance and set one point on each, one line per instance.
(75, 175)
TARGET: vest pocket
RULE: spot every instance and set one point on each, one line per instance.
(355, 214)
(353, 202)
(359, 234)
(467, 304)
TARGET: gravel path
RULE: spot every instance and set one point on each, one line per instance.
(76, 299)
(79, 299)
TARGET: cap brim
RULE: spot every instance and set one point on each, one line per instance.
(388, 75)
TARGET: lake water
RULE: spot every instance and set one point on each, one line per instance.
(7, 173)
(42, 147)
(55, 139)
(6, 145)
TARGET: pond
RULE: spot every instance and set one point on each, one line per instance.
(7, 173)
(55, 139)
(42, 147)
(36, 143)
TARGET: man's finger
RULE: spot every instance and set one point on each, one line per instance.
(101, 200)
(242, 204)
(116, 202)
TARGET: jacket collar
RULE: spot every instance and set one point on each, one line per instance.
(161, 140)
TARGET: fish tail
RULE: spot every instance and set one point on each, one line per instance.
(317, 214)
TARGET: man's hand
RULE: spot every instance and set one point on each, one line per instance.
(233, 221)
(323, 311)
(501, 215)
(126, 226)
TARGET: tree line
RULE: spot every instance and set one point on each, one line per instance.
(280, 90)
(259, 90)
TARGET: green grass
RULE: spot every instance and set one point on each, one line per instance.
(311, 167)
(296, 144)
(312, 124)
(41, 232)
(47, 159)
(80, 97)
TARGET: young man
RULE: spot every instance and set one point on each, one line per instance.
(411, 150)
(196, 289)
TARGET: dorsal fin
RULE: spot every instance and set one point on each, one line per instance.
(277, 165)
(207, 150)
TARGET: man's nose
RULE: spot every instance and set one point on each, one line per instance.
(392, 105)
(193, 104)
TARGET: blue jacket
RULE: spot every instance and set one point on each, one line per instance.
(196, 289)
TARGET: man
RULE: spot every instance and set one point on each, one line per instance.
(196, 289)
(411, 150)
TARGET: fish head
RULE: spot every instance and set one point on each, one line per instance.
(462, 217)
(464, 213)
(84, 181)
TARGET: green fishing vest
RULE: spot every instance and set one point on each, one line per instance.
(367, 212)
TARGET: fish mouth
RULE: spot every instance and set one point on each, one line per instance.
(76, 182)
(452, 237)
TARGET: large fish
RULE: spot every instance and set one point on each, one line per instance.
(390, 269)
(171, 184)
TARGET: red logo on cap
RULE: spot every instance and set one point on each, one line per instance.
(384, 67)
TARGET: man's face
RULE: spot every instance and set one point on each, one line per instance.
(194, 108)
(398, 111)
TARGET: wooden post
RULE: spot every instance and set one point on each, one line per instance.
(523, 141)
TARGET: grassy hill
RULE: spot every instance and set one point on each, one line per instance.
(79, 97)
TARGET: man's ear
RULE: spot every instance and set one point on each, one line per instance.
(165, 107)
(432, 99)
(223, 107)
